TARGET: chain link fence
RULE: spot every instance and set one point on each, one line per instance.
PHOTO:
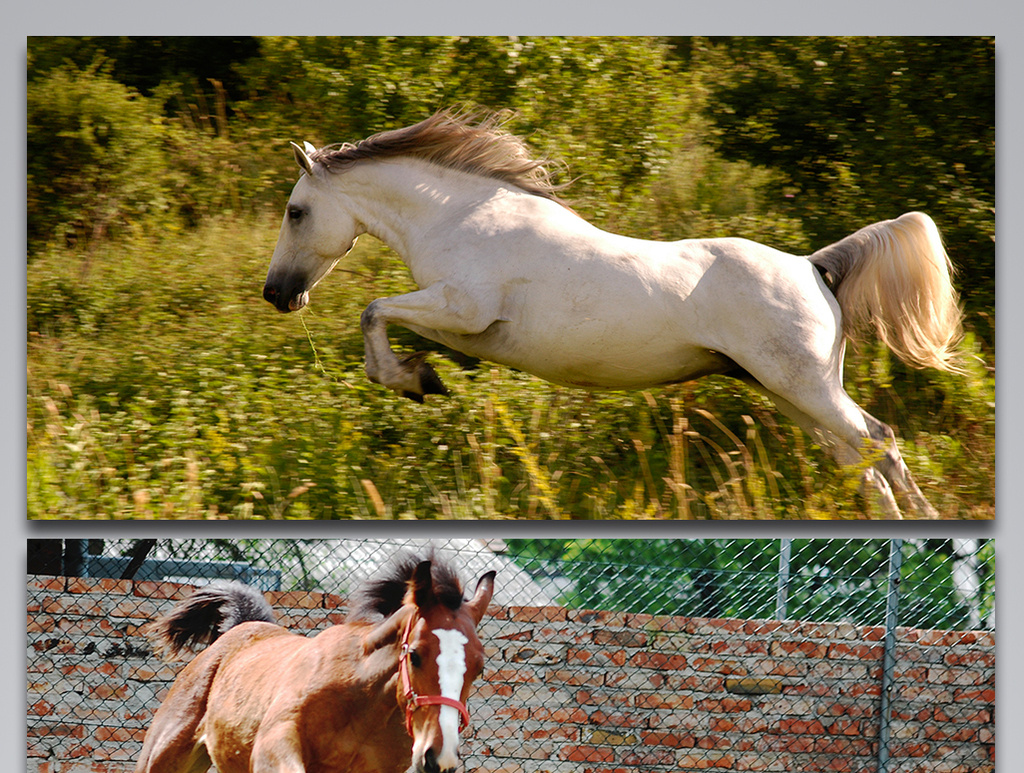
(681, 655)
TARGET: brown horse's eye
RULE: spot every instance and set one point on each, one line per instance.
(414, 658)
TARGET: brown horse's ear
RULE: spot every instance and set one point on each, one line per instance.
(386, 632)
(484, 590)
(421, 587)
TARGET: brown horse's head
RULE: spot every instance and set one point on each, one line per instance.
(439, 654)
(440, 657)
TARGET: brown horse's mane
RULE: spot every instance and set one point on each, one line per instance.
(382, 595)
(473, 142)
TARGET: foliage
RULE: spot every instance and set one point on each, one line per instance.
(827, 579)
(144, 63)
(864, 129)
(95, 160)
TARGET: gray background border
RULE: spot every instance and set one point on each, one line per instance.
(188, 17)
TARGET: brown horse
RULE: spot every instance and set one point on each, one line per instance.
(385, 692)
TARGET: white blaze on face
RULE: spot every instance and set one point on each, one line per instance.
(451, 667)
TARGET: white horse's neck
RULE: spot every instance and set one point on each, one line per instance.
(403, 201)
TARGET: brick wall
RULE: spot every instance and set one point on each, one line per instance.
(588, 692)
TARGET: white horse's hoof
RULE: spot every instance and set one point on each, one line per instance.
(423, 373)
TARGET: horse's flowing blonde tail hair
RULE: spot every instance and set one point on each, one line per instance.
(896, 276)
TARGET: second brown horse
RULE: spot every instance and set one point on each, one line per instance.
(383, 693)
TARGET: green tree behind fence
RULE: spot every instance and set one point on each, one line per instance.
(945, 584)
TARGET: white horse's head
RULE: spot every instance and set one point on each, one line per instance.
(317, 231)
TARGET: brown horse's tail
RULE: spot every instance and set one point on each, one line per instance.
(206, 614)
(895, 276)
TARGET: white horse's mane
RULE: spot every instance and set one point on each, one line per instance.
(475, 142)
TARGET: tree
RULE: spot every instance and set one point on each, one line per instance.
(95, 159)
(828, 580)
(607, 107)
(864, 129)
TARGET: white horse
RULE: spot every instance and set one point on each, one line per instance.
(508, 273)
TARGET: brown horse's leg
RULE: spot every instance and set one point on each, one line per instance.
(278, 749)
(172, 750)
(173, 743)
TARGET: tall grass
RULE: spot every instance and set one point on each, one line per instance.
(161, 385)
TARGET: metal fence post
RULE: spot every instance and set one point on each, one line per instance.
(782, 593)
(892, 613)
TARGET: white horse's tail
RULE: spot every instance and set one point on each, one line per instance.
(895, 275)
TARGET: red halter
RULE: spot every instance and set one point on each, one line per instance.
(414, 701)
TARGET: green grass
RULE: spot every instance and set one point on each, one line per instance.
(161, 385)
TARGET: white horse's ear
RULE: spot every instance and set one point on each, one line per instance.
(309, 147)
(302, 157)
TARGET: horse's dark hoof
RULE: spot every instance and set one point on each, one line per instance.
(430, 383)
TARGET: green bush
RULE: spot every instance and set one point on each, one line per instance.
(96, 163)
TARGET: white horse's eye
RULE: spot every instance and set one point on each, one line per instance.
(295, 213)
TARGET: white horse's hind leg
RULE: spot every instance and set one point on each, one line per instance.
(440, 307)
(873, 482)
(895, 469)
(889, 474)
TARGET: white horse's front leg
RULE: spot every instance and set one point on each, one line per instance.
(438, 307)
